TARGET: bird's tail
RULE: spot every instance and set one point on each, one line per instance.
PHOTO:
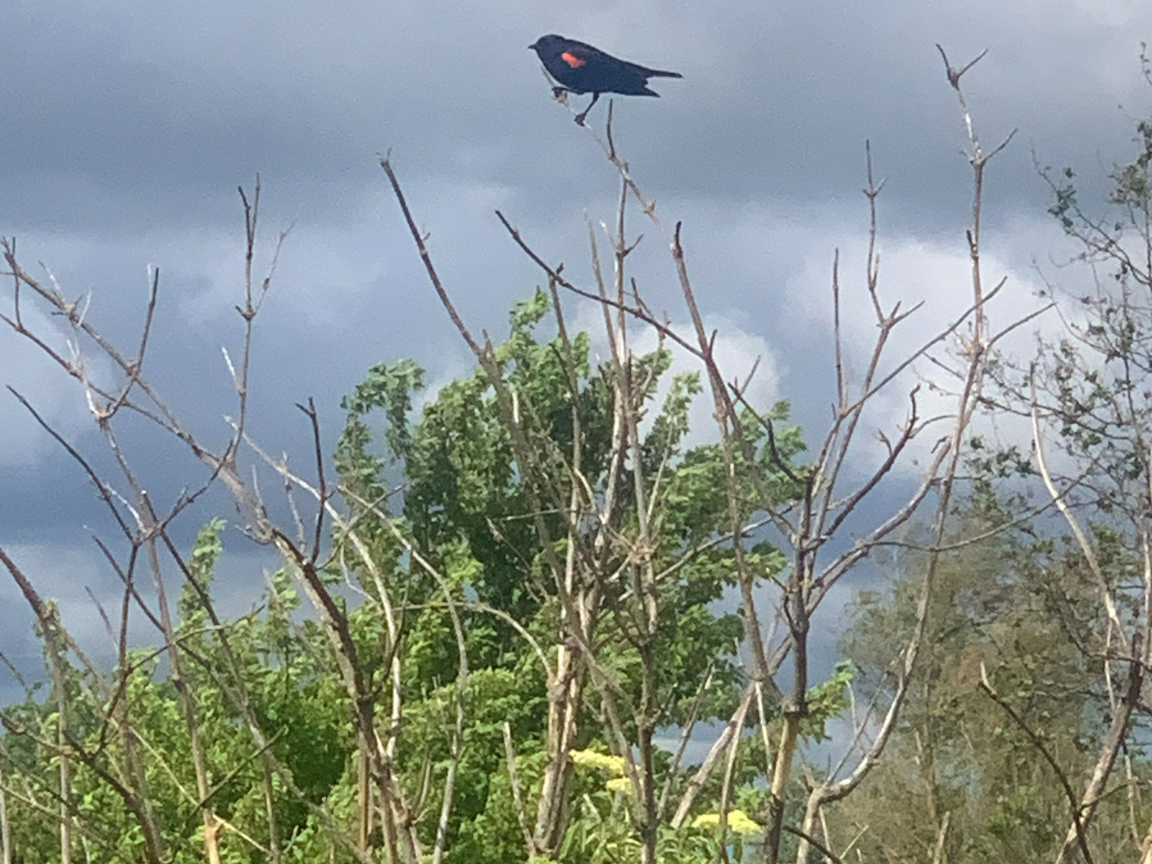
(660, 73)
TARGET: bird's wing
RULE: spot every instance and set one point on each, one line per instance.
(577, 55)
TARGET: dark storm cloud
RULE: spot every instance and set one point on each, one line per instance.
(120, 115)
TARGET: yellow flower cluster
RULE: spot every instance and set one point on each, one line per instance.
(619, 784)
(738, 821)
(613, 765)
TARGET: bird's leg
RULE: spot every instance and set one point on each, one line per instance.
(580, 117)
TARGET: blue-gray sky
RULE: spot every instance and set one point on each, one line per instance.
(125, 129)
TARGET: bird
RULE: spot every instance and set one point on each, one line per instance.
(580, 68)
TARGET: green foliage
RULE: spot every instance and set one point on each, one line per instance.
(828, 700)
(471, 506)
(466, 505)
(1023, 609)
(299, 706)
(201, 569)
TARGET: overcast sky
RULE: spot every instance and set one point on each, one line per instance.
(125, 129)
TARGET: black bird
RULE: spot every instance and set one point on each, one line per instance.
(580, 68)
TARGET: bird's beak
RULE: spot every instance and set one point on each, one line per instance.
(532, 47)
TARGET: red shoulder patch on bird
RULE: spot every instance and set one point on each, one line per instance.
(572, 60)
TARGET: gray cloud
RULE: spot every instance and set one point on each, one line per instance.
(125, 115)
